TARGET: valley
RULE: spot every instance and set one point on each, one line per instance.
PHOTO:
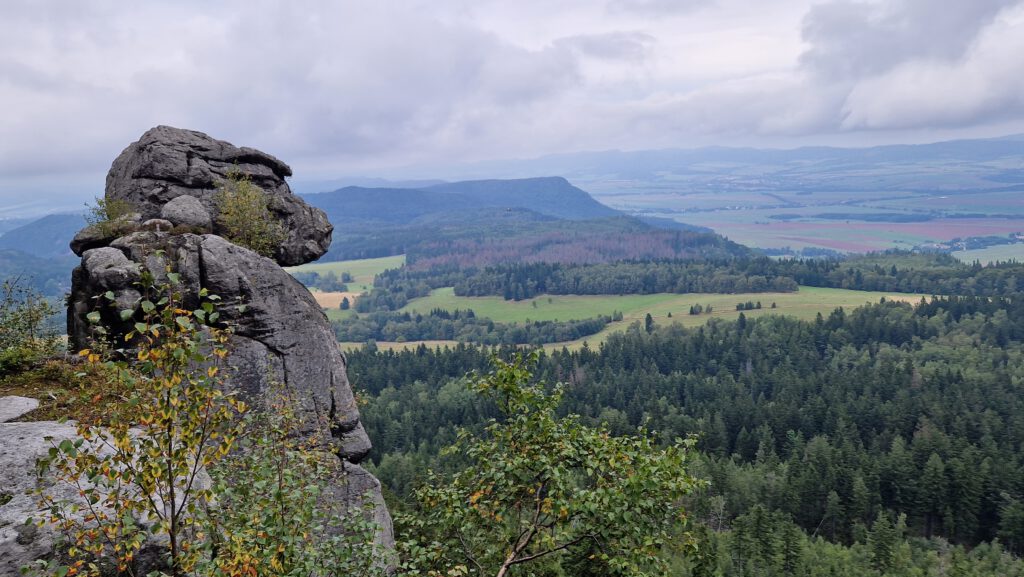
(619, 288)
(805, 304)
(822, 378)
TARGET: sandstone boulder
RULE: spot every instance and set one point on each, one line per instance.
(187, 210)
(280, 334)
(12, 407)
(21, 444)
(167, 163)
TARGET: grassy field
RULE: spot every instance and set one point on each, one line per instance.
(804, 304)
(362, 270)
(992, 254)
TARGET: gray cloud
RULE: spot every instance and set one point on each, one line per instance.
(851, 39)
(656, 7)
(986, 84)
(632, 46)
(345, 86)
(375, 80)
(879, 67)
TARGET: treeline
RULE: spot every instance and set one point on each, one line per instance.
(524, 280)
(580, 242)
(478, 238)
(328, 281)
(889, 272)
(463, 326)
(910, 273)
(394, 288)
(763, 543)
(890, 409)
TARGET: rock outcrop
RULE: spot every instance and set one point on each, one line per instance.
(280, 334)
(13, 407)
(23, 540)
(168, 163)
(21, 444)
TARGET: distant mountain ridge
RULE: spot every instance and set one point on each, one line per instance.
(427, 221)
(589, 167)
(47, 237)
(50, 276)
(475, 222)
(547, 196)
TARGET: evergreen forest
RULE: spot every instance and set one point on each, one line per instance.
(882, 440)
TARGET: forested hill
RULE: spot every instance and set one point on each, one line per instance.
(46, 237)
(552, 196)
(51, 277)
(481, 222)
(548, 196)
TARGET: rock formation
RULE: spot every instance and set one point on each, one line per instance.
(280, 334)
(21, 444)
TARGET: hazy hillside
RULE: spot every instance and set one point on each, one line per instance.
(480, 221)
(49, 276)
(47, 237)
(995, 160)
(551, 196)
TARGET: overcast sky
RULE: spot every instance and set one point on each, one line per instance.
(337, 87)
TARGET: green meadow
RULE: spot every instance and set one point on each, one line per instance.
(803, 304)
(362, 270)
(988, 255)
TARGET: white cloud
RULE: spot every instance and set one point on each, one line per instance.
(343, 86)
(986, 83)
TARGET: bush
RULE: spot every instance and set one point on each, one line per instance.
(275, 514)
(245, 217)
(107, 215)
(147, 469)
(25, 332)
(548, 491)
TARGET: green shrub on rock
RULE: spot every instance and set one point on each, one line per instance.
(244, 215)
(25, 335)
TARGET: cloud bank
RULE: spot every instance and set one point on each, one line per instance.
(343, 86)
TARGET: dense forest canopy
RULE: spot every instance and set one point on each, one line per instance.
(904, 414)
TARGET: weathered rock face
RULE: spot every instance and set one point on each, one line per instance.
(22, 540)
(167, 163)
(280, 335)
(21, 444)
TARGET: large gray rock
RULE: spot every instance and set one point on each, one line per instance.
(187, 210)
(21, 444)
(94, 236)
(12, 407)
(23, 539)
(280, 335)
(167, 163)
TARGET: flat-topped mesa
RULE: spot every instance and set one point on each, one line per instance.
(175, 175)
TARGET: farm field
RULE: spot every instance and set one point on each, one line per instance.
(331, 302)
(992, 254)
(851, 235)
(362, 270)
(747, 209)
